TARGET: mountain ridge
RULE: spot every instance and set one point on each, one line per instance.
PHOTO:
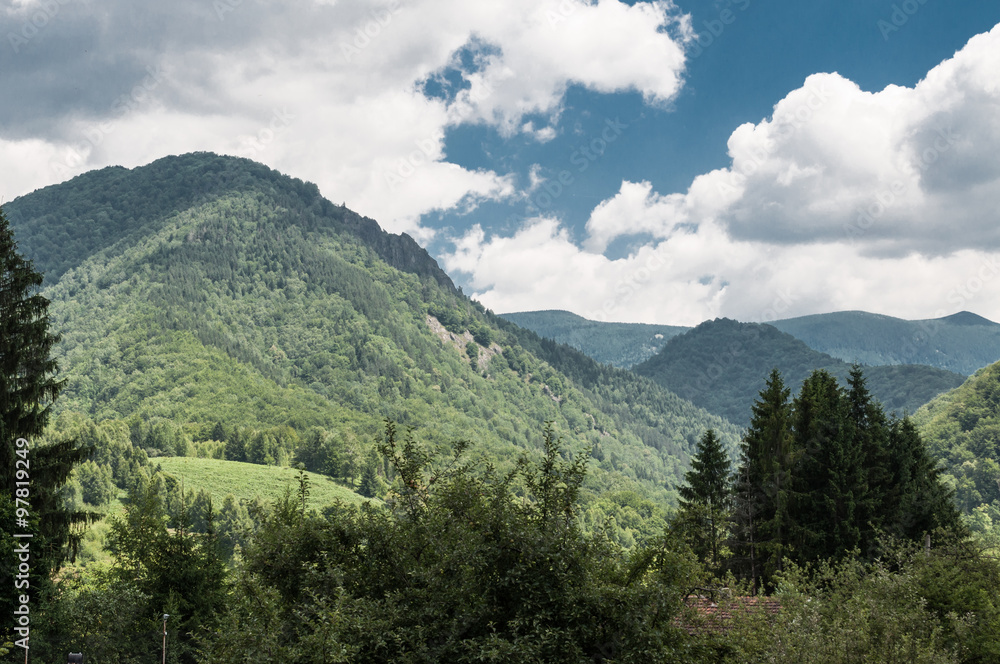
(260, 309)
(722, 365)
(962, 342)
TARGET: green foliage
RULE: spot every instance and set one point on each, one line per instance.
(181, 573)
(720, 365)
(962, 428)
(706, 501)
(33, 471)
(463, 567)
(821, 477)
(96, 482)
(850, 612)
(762, 485)
(250, 312)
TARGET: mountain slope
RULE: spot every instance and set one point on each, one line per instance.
(962, 342)
(617, 344)
(962, 428)
(238, 297)
(722, 365)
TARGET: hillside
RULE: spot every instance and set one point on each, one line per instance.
(962, 428)
(245, 481)
(236, 305)
(617, 344)
(722, 365)
(962, 342)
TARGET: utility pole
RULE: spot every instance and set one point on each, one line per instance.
(165, 616)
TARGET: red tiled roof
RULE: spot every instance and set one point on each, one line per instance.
(715, 617)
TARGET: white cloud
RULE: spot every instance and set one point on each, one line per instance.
(842, 199)
(705, 273)
(345, 77)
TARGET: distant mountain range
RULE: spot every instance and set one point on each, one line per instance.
(962, 342)
(617, 344)
(722, 366)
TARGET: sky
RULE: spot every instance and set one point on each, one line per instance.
(659, 162)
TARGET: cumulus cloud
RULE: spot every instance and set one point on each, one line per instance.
(332, 92)
(842, 199)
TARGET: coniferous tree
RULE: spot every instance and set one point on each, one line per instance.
(706, 500)
(27, 389)
(872, 436)
(830, 487)
(921, 502)
(27, 370)
(762, 484)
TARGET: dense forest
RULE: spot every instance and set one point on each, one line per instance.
(962, 428)
(251, 291)
(721, 364)
(431, 482)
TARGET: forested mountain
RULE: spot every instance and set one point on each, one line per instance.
(962, 342)
(722, 365)
(208, 298)
(962, 428)
(617, 344)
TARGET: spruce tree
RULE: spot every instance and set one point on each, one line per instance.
(871, 436)
(830, 487)
(759, 522)
(706, 500)
(27, 389)
(921, 502)
(27, 371)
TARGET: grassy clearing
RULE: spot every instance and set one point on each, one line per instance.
(247, 480)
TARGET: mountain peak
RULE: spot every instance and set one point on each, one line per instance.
(966, 318)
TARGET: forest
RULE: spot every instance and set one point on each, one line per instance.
(253, 411)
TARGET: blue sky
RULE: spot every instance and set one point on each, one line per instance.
(642, 161)
(736, 71)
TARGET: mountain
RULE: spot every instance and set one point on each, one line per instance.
(722, 365)
(962, 342)
(205, 298)
(962, 428)
(617, 344)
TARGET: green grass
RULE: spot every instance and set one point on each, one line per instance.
(247, 480)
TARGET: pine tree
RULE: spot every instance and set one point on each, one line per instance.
(830, 488)
(706, 500)
(762, 484)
